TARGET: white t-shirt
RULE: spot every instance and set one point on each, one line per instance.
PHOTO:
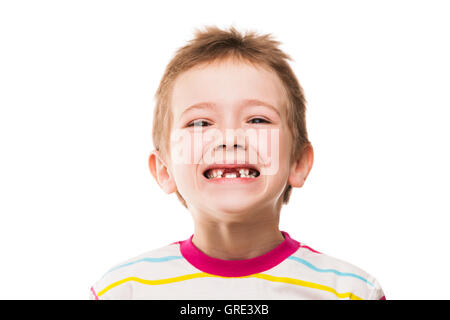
(292, 270)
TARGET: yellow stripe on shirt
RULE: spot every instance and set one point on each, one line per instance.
(156, 282)
(307, 284)
(256, 275)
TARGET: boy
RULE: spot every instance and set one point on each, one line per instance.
(230, 139)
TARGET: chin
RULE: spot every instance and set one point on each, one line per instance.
(232, 206)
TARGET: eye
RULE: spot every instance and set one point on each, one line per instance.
(197, 123)
(260, 119)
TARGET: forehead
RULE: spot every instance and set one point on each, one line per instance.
(226, 84)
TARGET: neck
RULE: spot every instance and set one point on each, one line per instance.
(237, 241)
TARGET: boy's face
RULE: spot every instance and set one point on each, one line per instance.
(234, 129)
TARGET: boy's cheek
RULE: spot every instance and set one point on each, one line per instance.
(269, 151)
(181, 147)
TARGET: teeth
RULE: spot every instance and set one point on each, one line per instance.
(217, 173)
(243, 173)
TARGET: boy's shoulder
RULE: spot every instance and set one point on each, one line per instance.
(329, 271)
(140, 266)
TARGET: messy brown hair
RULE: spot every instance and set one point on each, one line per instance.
(212, 45)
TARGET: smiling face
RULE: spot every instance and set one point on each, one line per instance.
(230, 112)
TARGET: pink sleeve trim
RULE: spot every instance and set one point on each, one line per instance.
(310, 249)
(93, 292)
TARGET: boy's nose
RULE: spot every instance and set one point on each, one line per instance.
(229, 151)
(225, 146)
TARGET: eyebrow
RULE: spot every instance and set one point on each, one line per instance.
(243, 103)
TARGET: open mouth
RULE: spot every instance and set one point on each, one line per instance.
(230, 173)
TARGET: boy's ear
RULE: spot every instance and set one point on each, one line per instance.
(161, 172)
(301, 168)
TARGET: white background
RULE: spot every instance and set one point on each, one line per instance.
(77, 80)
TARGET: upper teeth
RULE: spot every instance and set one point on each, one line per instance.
(243, 173)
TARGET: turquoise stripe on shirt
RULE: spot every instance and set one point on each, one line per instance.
(344, 274)
(161, 259)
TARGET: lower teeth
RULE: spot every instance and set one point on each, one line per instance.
(232, 175)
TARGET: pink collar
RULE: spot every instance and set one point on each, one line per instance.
(238, 268)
